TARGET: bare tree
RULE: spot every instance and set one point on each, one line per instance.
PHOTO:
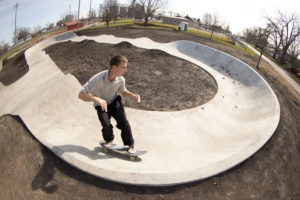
(36, 30)
(260, 36)
(50, 26)
(294, 52)
(215, 23)
(4, 47)
(199, 21)
(139, 11)
(108, 10)
(252, 35)
(68, 17)
(211, 22)
(22, 34)
(132, 8)
(262, 41)
(115, 11)
(207, 20)
(227, 28)
(150, 7)
(276, 37)
(286, 29)
(92, 13)
(59, 24)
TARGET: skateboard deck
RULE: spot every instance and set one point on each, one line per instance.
(122, 150)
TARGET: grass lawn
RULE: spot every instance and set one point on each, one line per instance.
(161, 26)
(130, 23)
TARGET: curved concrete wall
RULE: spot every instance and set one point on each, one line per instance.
(183, 146)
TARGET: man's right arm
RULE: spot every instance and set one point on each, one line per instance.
(85, 96)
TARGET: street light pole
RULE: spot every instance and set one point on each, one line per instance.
(90, 11)
(16, 38)
(78, 13)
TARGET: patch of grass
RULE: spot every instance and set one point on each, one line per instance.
(151, 27)
(198, 33)
(111, 24)
(219, 39)
(31, 42)
(120, 23)
(154, 25)
(203, 34)
(6, 55)
(159, 24)
(250, 52)
(14, 51)
(216, 38)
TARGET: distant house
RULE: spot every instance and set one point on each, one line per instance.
(73, 25)
(173, 20)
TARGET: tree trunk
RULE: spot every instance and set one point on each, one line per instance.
(211, 35)
(261, 52)
(275, 54)
(281, 61)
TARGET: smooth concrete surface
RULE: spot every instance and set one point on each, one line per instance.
(183, 146)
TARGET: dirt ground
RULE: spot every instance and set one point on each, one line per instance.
(13, 69)
(30, 171)
(164, 82)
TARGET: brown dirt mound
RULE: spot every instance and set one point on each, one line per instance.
(164, 82)
(13, 69)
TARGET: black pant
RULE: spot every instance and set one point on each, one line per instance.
(115, 110)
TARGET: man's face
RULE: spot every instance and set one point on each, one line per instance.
(121, 69)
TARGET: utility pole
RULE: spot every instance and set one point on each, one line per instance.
(78, 13)
(16, 38)
(90, 11)
(133, 6)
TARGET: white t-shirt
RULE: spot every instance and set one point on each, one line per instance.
(101, 87)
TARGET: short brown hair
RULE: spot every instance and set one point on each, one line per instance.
(117, 59)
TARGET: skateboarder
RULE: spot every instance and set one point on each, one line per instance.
(103, 89)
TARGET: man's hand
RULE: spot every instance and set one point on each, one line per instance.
(101, 103)
(89, 98)
(137, 98)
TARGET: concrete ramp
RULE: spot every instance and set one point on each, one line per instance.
(183, 146)
(65, 36)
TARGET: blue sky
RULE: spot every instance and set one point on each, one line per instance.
(236, 13)
(33, 13)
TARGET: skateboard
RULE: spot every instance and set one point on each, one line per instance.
(122, 150)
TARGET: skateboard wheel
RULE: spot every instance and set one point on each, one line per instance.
(132, 157)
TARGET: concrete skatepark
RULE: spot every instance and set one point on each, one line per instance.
(191, 145)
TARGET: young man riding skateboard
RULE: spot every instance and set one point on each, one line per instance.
(103, 89)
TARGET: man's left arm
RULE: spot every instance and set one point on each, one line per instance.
(129, 94)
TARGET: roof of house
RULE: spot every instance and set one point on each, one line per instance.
(72, 23)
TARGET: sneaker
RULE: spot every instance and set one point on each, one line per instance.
(109, 144)
(131, 149)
